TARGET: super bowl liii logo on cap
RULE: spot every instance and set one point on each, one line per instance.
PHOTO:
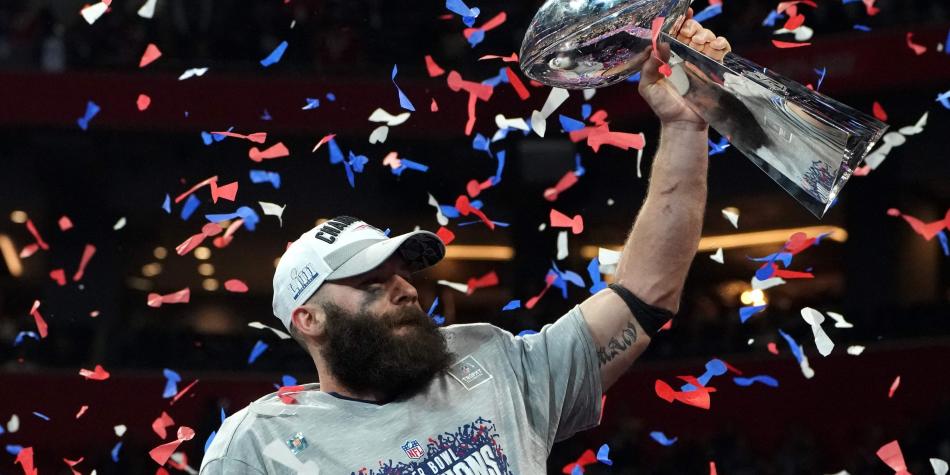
(332, 228)
(300, 279)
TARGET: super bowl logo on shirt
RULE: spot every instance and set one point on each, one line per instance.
(413, 449)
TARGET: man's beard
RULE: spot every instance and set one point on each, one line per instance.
(365, 354)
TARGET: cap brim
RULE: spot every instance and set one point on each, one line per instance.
(420, 249)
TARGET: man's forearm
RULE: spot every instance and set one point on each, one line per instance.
(665, 236)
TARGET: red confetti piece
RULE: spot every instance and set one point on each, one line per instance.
(894, 385)
(916, 48)
(235, 285)
(182, 296)
(465, 208)
(586, 458)
(151, 54)
(284, 393)
(698, 397)
(790, 274)
(787, 44)
(143, 102)
(561, 220)
(794, 21)
(98, 374)
(927, 230)
(655, 27)
(322, 141)
(798, 242)
(208, 230)
(495, 22)
(433, 69)
(434, 107)
(87, 254)
(870, 8)
(225, 239)
(782, 6)
(473, 187)
(772, 348)
(36, 235)
(512, 58)
(548, 281)
(712, 468)
(25, 459)
(94, 313)
(891, 454)
(182, 392)
(58, 275)
(161, 424)
(568, 180)
(65, 224)
(445, 234)
(274, 151)
(161, 453)
(82, 410)
(517, 84)
(228, 192)
(41, 326)
(879, 111)
(488, 280)
(29, 250)
(195, 188)
(73, 463)
(475, 91)
(256, 137)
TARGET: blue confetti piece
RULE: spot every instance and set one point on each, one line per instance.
(662, 438)
(500, 168)
(207, 138)
(449, 211)
(222, 409)
(91, 110)
(336, 155)
(476, 37)
(354, 165)
(634, 78)
(784, 257)
(746, 313)
(764, 379)
(708, 12)
(942, 236)
(944, 99)
(481, 143)
(41, 416)
(167, 204)
(438, 319)
(266, 115)
(569, 124)
(171, 383)
(513, 305)
(285, 380)
(821, 76)
(191, 204)
(500, 224)
(2, 430)
(793, 345)
(14, 449)
(22, 334)
(387, 231)
(764, 272)
(275, 55)
(716, 148)
(264, 176)
(524, 333)
(459, 8)
(862, 27)
(210, 438)
(577, 470)
(403, 100)
(494, 81)
(311, 104)
(435, 303)
(258, 349)
(331, 96)
(603, 455)
(593, 270)
(774, 16)
(248, 214)
(845, 2)
(115, 452)
(579, 169)
(586, 110)
(946, 44)
(714, 367)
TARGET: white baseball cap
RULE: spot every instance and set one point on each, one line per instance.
(339, 248)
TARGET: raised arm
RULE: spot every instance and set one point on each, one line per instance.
(665, 236)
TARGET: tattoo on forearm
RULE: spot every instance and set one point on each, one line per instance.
(618, 344)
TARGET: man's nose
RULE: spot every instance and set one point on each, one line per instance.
(403, 292)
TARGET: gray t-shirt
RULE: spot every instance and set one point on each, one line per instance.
(497, 410)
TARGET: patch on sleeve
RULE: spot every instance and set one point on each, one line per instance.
(469, 372)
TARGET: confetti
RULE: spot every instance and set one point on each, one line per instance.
(603, 455)
(475, 92)
(82, 410)
(822, 341)
(879, 111)
(275, 55)
(256, 137)
(379, 134)
(488, 280)
(786, 44)
(940, 467)
(208, 230)
(161, 453)
(586, 458)
(512, 305)
(93, 12)
(698, 397)
(894, 385)
(161, 424)
(264, 176)
(150, 55)
(656, 28)
(477, 35)
(172, 379)
(381, 116)
(98, 374)
(732, 214)
(746, 313)
(143, 102)
(182, 296)
(548, 281)
(662, 439)
(258, 349)
(764, 379)
(59, 276)
(461, 9)
(19, 339)
(277, 150)
(840, 322)
(40, 322)
(311, 104)
(41, 416)
(88, 251)
(261, 326)
(718, 256)
(271, 209)
(516, 83)
(916, 48)
(432, 68)
(403, 99)
(927, 230)
(119, 224)
(25, 456)
(235, 285)
(556, 97)
(91, 110)
(855, 350)
(891, 454)
(713, 9)
(560, 220)
(714, 367)
(193, 72)
(148, 9)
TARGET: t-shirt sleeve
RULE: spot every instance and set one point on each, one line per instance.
(226, 465)
(559, 376)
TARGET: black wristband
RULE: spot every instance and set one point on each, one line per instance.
(650, 318)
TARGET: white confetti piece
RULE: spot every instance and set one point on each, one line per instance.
(732, 214)
(119, 430)
(940, 467)
(589, 94)
(261, 326)
(855, 350)
(119, 224)
(718, 257)
(380, 115)
(148, 9)
(767, 283)
(608, 259)
(439, 216)
(806, 368)
(822, 341)
(561, 245)
(193, 72)
(454, 285)
(802, 33)
(556, 97)
(379, 134)
(91, 13)
(505, 123)
(13, 424)
(840, 322)
(639, 160)
(916, 128)
(271, 209)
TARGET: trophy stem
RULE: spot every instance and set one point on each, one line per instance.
(808, 143)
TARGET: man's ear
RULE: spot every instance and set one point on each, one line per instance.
(310, 321)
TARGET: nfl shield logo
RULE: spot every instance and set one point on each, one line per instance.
(413, 449)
